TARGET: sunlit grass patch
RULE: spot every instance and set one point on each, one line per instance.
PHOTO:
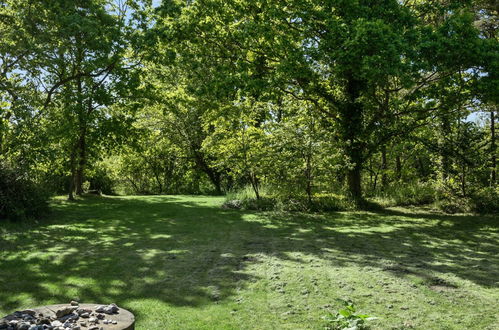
(184, 262)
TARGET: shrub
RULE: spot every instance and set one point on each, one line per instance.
(403, 194)
(453, 205)
(246, 199)
(485, 200)
(101, 181)
(20, 198)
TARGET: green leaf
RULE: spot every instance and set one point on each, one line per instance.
(345, 312)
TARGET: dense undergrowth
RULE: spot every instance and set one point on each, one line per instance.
(483, 201)
(20, 197)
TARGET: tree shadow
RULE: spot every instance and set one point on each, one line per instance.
(188, 252)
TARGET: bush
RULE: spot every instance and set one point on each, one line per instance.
(100, 181)
(246, 199)
(485, 201)
(403, 194)
(20, 198)
(453, 205)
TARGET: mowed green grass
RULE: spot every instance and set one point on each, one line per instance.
(183, 262)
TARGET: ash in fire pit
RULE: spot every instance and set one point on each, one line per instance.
(73, 316)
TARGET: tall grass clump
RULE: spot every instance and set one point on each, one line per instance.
(272, 198)
(405, 194)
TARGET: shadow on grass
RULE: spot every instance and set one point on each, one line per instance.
(187, 252)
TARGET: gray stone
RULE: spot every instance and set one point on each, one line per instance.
(23, 326)
(65, 311)
(80, 311)
(28, 311)
(44, 318)
(35, 327)
(109, 309)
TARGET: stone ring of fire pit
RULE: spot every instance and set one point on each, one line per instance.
(73, 316)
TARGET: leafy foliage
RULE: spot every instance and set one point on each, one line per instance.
(347, 318)
(313, 105)
(20, 197)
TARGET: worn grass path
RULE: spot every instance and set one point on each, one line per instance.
(182, 262)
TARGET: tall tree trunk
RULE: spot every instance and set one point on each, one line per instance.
(351, 121)
(255, 185)
(371, 177)
(80, 146)
(82, 160)
(445, 147)
(308, 176)
(72, 161)
(463, 180)
(354, 183)
(398, 168)
(421, 168)
(493, 150)
(384, 177)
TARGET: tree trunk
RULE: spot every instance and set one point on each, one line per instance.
(351, 122)
(493, 150)
(398, 168)
(354, 183)
(82, 161)
(80, 147)
(422, 169)
(158, 181)
(308, 176)
(371, 172)
(445, 147)
(255, 185)
(212, 174)
(463, 180)
(72, 161)
(384, 177)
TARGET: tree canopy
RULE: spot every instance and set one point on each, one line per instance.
(296, 100)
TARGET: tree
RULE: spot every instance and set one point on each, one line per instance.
(78, 65)
(364, 65)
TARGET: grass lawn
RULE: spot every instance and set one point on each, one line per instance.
(182, 262)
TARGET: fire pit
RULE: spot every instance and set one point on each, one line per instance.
(73, 316)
